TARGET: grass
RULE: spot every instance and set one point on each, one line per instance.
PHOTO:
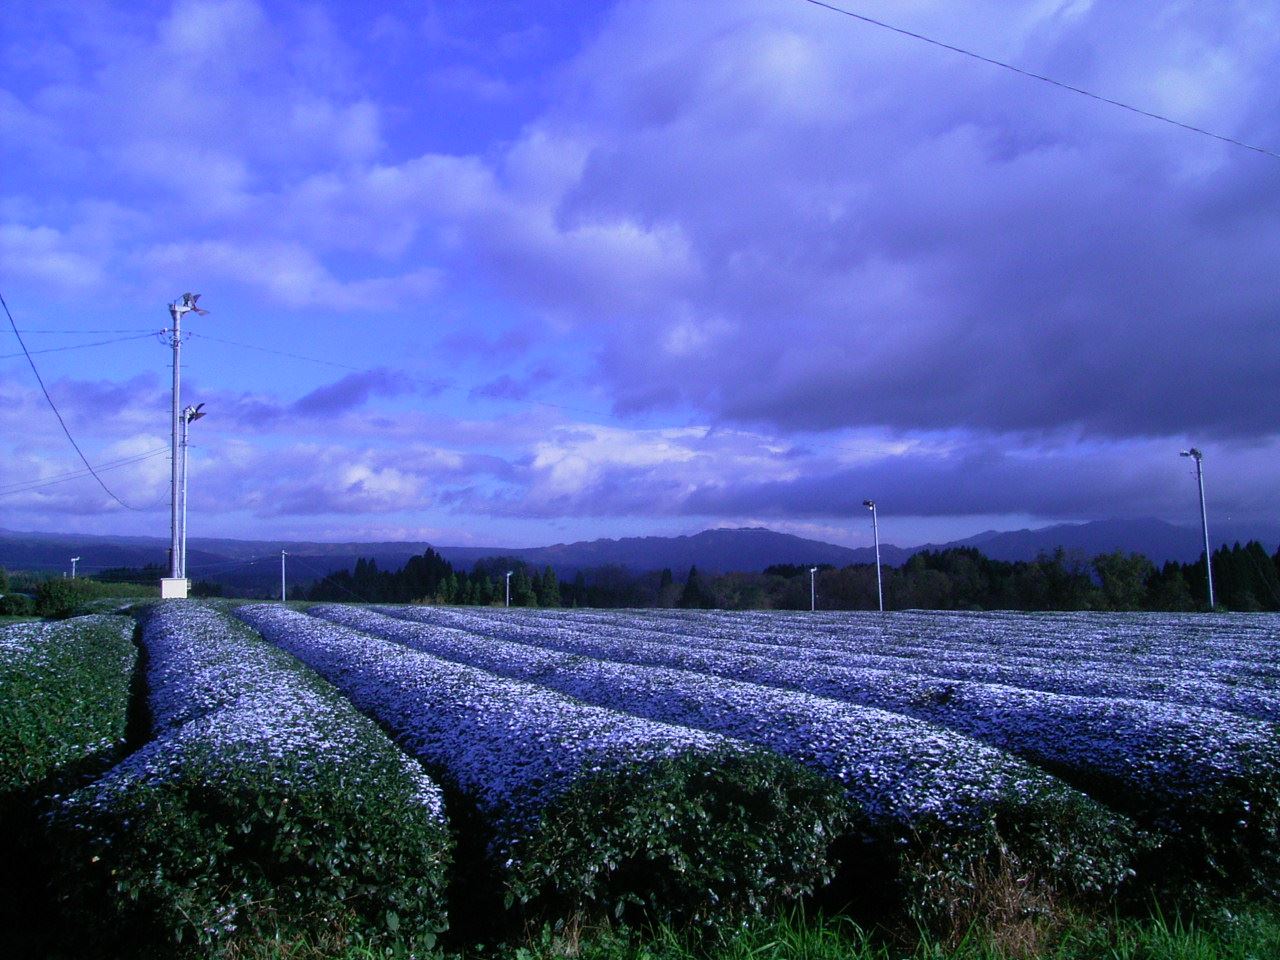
(1251, 933)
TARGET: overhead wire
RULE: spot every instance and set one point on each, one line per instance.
(26, 485)
(1150, 114)
(225, 566)
(54, 407)
(77, 346)
(45, 330)
(278, 353)
(49, 481)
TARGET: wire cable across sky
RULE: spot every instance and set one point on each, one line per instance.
(24, 486)
(78, 346)
(54, 407)
(1042, 78)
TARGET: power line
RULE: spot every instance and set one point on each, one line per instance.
(130, 330)
(54, 408)
(838, 448)
(278, 353)
(26, 485)
(79, 346)
(228, 565)
(1044, 79)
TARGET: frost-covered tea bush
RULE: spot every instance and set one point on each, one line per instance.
(64, 710)
(910, 784)
(64, 689)
(265, 802)
(583, 807)
(1207, 780)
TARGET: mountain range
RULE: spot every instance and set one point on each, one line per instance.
(249, 564)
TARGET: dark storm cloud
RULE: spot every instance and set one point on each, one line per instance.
(990, 481)
(1073, 481)
(508, 387)
(858, 230)
(352, 391)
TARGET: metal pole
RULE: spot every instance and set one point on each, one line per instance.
(186, 428)
(813, 589)
(1204, 526)
(282, 590)
(875, 529)
(73, 567)
(509, 572)
(1197, 456)
(176, 332)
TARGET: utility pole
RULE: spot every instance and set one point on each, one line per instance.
(813, 589)
(283, 595)
(875, 529)
(509, 572)
(73, 567)
(1197, 456)
(188, 415)
(175, 586)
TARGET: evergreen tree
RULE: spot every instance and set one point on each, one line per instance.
(548, 589)
(1168, 590)
(522, 594)
(578, 591)
(695, 595)
(1193, 574)
(1124, 579)
(1244, 578)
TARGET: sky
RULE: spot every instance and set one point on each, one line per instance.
(514, 274)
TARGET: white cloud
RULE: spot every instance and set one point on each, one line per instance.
(289, 273)
(46, 256)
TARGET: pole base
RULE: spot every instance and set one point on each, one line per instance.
(174, 588)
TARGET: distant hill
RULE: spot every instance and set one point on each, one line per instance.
(255, 564)
(721, 550)
(1156, 539)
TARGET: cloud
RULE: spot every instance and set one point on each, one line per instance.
(289, 273)
(201, 124)
(789, 228)
(352, 391)
(318, 479)
(786, 218)
(44, 254)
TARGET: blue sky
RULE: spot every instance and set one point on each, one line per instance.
(513, 274)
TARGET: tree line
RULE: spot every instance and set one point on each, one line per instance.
(1246, 578)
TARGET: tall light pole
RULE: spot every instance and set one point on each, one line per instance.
(176, 587)
(282, 590)
(509, 572)
(188, 415)
(875, 529)
(73, 567)
(813, 589)
(1197, 456)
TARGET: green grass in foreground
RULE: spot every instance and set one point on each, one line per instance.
(1250, 934)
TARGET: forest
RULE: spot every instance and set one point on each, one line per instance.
(1246, 578)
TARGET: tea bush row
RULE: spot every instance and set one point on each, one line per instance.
(584, 808)
(263, 803)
